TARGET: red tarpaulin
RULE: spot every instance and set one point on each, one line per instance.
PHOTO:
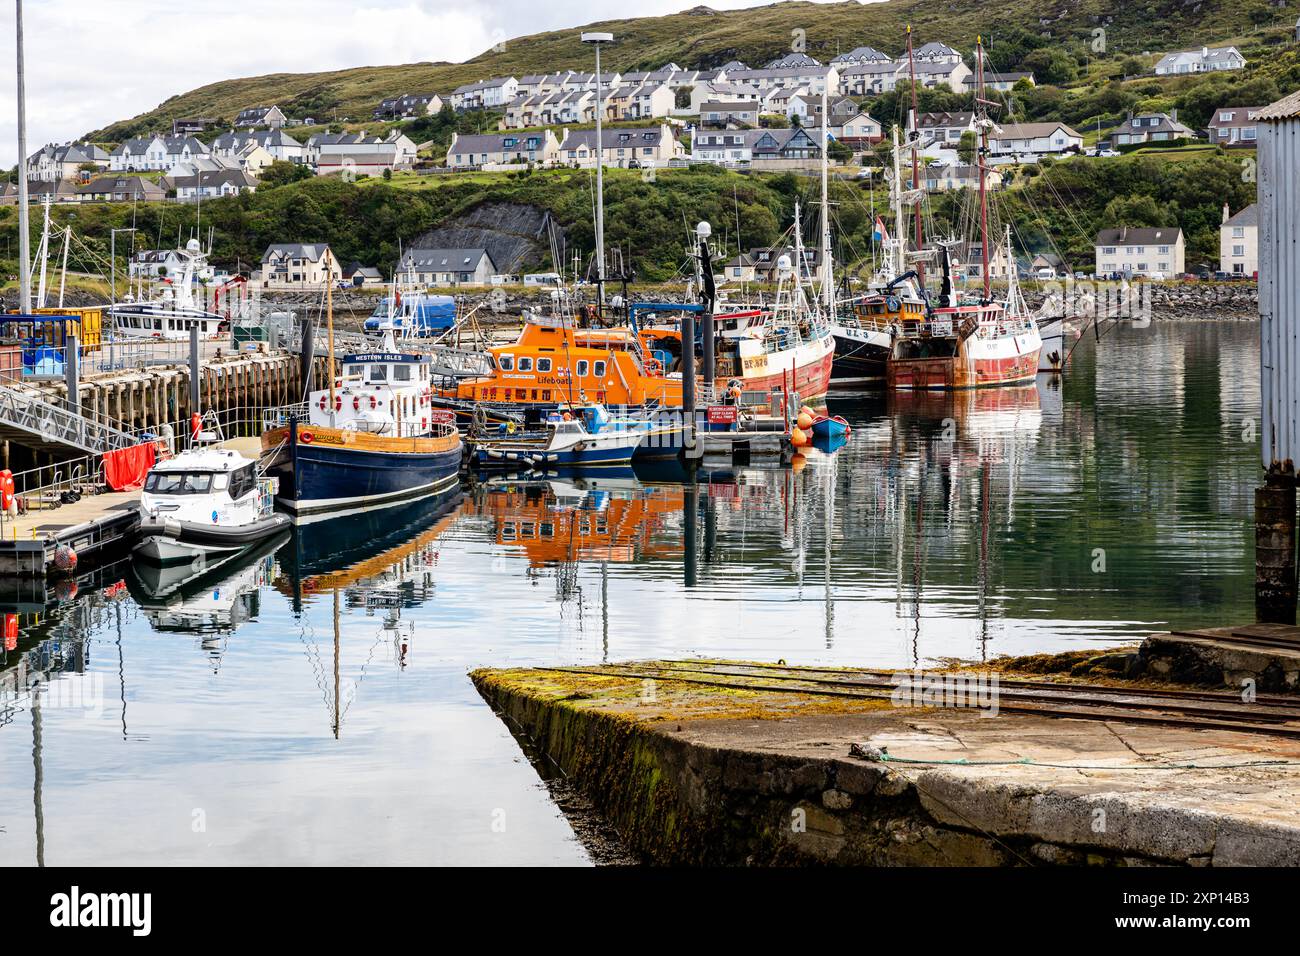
(127, 467)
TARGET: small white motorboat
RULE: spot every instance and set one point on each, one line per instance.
(205, 501)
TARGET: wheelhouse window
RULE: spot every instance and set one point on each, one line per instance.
(525, 363)
(178, 483)
(379, 373)
(505, 362)
(243, 481)
(401, 373)
(583, 368)
(599, 370)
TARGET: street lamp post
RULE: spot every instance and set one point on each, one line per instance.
(24, 201)
(596, 39)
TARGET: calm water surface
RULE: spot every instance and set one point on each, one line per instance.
(310, 704)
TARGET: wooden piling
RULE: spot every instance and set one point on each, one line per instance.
(1275, 546)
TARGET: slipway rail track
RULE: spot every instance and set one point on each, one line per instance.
(1275, 715)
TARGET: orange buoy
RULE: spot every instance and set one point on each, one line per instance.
(808, 411)
(798, 438)
(804, 421)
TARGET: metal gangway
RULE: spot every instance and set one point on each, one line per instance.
(42, 421)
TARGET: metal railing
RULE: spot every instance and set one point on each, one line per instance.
(55, 422)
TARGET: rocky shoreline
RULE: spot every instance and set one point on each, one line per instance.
(1169, 301)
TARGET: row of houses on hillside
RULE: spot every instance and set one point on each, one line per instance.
(628, 147)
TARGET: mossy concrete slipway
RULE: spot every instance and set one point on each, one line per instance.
(1076, 759)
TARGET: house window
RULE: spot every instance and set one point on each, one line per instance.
(1239, 251)
(1108, 250)
(1238, 232)
(1164, 250)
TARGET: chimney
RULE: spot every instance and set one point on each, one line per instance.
(1173, 115)
(1226, 217)
(1205, 51)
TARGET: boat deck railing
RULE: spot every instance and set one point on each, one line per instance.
(281, 415)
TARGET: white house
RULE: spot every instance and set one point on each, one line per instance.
(1153, 252)
(1239, 241)
(52, 163)
(155, 263)
(1028, 142)
(1204, 60)
(1233, 126)
(256, 116)
(727, 92)
(945, 128)
(448, 267)
(213, 184)
(277, 142)
(1000, 82)
(939, 74)
(724, 147)
(468, 150)
(861, 55)
(485, 94)
(941, 179)
(872, 79)
(1149, 128)
(860, 131)
(156, 153)
(814, 78)
(622, 146)
(296, 265)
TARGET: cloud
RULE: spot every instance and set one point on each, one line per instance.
(90, 64)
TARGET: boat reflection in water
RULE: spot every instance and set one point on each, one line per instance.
(565, 518)
(205, 595)
(361, 546)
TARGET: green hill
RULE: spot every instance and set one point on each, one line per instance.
(701, 37)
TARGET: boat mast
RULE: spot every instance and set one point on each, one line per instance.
(982, 119)
(43, 252)
(329, 325)
(828, 285)
(24, 200)
(916, 162)
(899, 242)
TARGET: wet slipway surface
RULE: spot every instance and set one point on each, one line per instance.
(308, 703)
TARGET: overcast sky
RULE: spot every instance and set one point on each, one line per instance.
(91, 62)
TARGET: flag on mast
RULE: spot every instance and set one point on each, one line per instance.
(880, 234)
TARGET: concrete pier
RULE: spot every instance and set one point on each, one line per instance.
(744, 772)
(91, 526)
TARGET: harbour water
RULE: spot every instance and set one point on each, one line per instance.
(309, 703)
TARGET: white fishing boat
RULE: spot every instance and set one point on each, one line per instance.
(205, 501)
(178, 308)
(588, 439)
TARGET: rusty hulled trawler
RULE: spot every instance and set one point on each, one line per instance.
(964, 340)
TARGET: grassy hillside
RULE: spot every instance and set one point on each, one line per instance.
(371, 219)
(702, 37)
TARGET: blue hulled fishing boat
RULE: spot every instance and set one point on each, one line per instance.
(370, 438)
